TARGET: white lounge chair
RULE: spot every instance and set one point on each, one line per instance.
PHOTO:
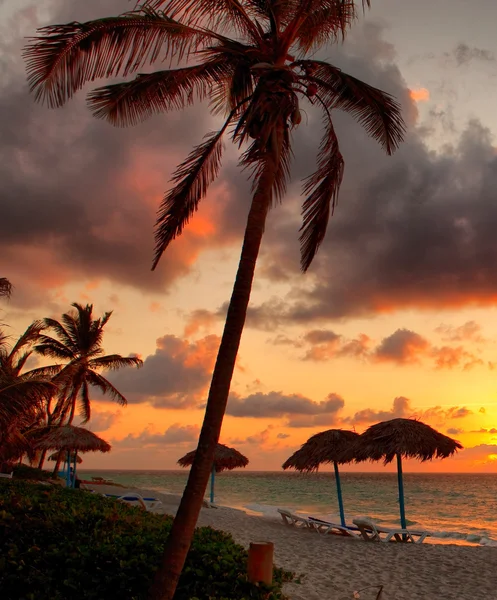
(133, 499)
(372, 533)
(296, 521)
(327, 527)
(6, 475)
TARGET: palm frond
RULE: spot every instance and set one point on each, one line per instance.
(214, 14)
(45, 372)
(53, 349)
(269, 163)
(192, 179)
(96, 380)
(61, 332)
(322, 188)
(112, 362)
(28, 338)
(65, 57)
(324, 23)
(279, 13)
(84, 403)
(5, 287)
(134, 101)
(378, 112)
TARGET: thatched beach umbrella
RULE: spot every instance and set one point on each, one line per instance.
(325, 447)
(400, 438)
(57, 456)
(70, 439)
(225, 459)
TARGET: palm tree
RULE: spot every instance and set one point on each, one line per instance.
(78, 343)
(257, 78)
(23, 395)
(5, 287)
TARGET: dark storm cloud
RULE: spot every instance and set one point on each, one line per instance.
(464, 54)
(175, 435)
(403, 346)
(176, 376)
(402, 408)
(277, 405)
(79, 196)
(416, 230)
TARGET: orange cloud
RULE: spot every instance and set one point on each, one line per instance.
(420, 95)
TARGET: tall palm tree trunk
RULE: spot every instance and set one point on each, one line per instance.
(179, 540)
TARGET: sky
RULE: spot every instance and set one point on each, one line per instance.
(395, 318)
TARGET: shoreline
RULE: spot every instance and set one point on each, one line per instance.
(335, 567)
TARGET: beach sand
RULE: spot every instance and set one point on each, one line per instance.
(335, 567)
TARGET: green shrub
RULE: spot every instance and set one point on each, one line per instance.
(58, 543)
(30, 473)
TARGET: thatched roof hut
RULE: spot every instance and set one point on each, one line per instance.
(62, 455)
(407, 438)
(70, 438)
(324, 447)
(225, 459)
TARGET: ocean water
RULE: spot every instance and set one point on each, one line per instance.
(455, 508)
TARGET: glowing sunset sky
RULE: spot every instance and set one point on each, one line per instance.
(396, 316)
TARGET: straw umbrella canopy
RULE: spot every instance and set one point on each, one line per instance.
(400, 438)
(61, 455)
(225, 459)
(72, 440)
(324, 447)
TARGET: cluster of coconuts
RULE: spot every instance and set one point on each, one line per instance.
(287, 78)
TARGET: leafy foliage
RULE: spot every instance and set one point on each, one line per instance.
(78, 340)
(31, 473)
(58, 543)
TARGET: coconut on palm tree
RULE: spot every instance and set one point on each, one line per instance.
(254, 60)
(23, 394)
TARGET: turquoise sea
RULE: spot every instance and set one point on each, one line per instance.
(454, 507)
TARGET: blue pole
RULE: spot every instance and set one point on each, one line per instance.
(339, 494)
(213, 476)
(68, 476)
(74, 470)
(403, 523)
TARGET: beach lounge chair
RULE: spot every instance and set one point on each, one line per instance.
(6, 475)
(327, 527)
(145, 503)
(296, 521)
(373, 533)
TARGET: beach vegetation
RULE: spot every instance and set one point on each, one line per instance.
(51, 395)
(255, 62)
(58, 543)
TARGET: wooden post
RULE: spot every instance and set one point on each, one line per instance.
(260, 562)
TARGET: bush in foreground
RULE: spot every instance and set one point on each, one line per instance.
(58, 543)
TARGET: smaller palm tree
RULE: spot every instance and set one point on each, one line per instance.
(23, 395)
(78, 343)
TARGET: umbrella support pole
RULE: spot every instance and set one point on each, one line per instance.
(74, 469)
(213, 477)
(403, 523)
(68, 477)
(339, 494)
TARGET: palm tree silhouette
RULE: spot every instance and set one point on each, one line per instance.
(253, 60)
